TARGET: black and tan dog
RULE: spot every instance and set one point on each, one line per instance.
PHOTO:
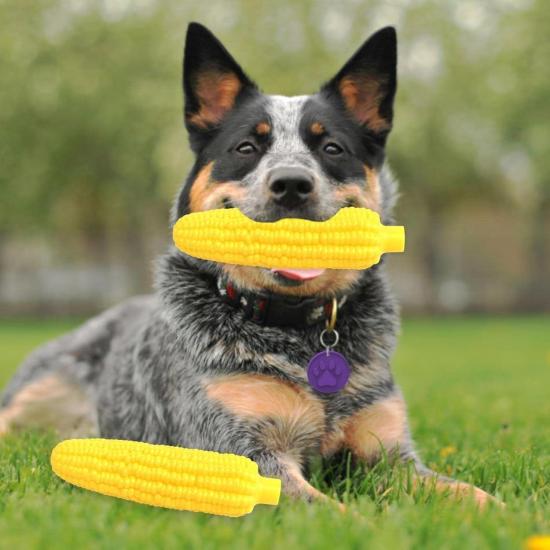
(217, 358)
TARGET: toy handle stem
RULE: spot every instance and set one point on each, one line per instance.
(269, 490)
(393, 238)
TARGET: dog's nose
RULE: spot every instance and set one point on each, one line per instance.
(290, 187)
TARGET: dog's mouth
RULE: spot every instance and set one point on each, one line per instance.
(283, 275)
(295, 277)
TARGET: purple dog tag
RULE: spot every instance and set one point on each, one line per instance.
(328, 371)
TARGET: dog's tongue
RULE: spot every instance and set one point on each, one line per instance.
(299, 274)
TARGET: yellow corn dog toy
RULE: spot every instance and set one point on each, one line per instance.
(354, 238)
(170, 477)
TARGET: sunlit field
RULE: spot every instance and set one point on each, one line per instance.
(477, 390)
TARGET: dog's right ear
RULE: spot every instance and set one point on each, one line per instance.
(213, 81)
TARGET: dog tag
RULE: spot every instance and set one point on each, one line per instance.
(328, 371)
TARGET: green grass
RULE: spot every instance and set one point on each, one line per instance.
(477, 391)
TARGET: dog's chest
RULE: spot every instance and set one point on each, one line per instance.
(278, 397)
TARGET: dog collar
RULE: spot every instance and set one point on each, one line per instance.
(276, 310)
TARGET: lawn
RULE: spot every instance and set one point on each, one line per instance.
(478, 394)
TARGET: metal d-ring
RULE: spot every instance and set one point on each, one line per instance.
(322, 338)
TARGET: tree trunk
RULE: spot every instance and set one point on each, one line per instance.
(431, 254)
(3, 240)
(536, 292)
(138, 261)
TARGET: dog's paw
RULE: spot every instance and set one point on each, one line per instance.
(482, 499)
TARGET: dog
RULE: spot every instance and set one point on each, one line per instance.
(216, 359)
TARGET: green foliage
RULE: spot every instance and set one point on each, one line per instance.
(93, 149)
(87, 117)
(477, 395)
(91, 138)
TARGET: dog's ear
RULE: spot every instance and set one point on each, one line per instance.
(366, 84)
(212, 80)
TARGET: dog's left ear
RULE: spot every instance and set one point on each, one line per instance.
(366, 84)
(212, 80)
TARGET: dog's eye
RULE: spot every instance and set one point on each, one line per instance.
(333, 149)
(246, 148)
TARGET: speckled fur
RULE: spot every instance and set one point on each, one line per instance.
(145, 363)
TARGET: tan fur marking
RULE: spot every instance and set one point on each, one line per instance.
(216, 93)
(466, 490)
(297, 486)
(295, 418)
(456, 489)
(352, 192)
(258, 395)
(294, 472)
(360, 195)
(332, 442)
(206, 194)
(201, 189)
(362, 97)
(51, 402)
(317, 129)
(263, 128)
(364, 376)
(374, 196)
(382, 423)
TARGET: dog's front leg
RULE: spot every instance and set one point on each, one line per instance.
(289, 470)
(273, 422)
(381, 428)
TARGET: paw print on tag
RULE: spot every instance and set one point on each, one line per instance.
(328, 372)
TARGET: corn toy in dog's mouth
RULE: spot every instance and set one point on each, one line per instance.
(354, 238)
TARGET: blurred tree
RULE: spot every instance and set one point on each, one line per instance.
(92, 146)
(522, 111)
(445, 147)
(90, 123)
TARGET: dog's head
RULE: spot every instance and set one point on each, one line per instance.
(278, 157)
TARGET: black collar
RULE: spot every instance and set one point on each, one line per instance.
(276, 310)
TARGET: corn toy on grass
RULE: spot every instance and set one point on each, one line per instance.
(169, 477)
(354, 238)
